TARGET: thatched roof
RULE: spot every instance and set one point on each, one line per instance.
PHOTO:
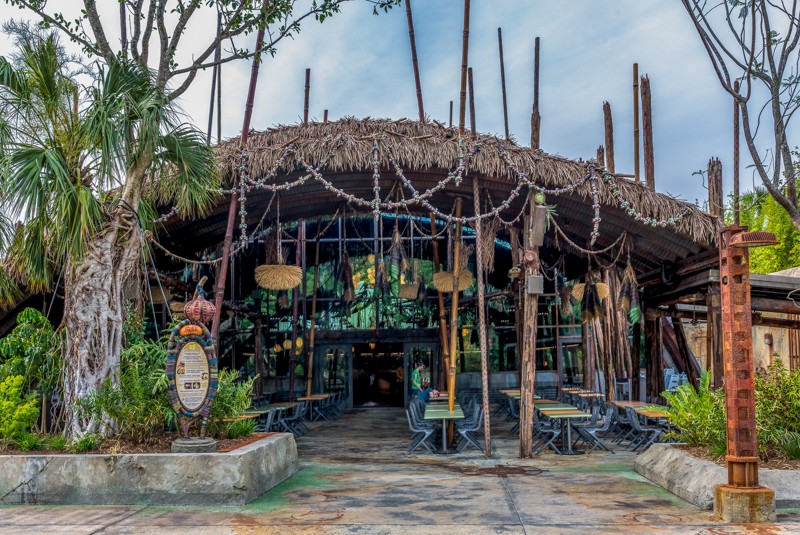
(427, 152)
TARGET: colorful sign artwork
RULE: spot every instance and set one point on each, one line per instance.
(191, 376)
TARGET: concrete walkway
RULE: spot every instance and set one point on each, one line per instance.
(357, 478)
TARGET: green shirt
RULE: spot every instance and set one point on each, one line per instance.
(416, 380)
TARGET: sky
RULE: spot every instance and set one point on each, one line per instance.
(361, 66)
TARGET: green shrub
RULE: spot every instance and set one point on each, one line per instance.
(240, 428)
(32, 350)
(698, 415)
(56, 442)
(18, 412)
(29, 441)
(232, 399)
(790, 442)
(88, 442)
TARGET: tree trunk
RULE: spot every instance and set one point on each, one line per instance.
(94, 308)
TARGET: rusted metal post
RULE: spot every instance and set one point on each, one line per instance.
(503, 80)
(742, 496)
(636, 174)
(414, 61)
(608, 125)
(219, 290)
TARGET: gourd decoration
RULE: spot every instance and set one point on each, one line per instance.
(199, 309)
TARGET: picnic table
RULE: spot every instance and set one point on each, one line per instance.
(443, 413)
(653, 411)
(565, 414)
(634, 404)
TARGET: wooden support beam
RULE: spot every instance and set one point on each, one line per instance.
(414, 62)
(528, 356)
(715, 198)
(636, 172)
(647, 141)
(536, 118)
(307, 95)
(608, 126)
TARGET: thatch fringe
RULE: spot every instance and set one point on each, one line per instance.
(432, 145)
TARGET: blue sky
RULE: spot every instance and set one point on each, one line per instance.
(361, 67)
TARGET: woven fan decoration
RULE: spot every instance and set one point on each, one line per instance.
(278, 276)
(443, 281)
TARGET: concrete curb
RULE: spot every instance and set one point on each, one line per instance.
(226, 478)
(693, 479)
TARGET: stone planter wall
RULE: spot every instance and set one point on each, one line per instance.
(229, 478)
(693, 479)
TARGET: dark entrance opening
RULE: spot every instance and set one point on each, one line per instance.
(378, 374)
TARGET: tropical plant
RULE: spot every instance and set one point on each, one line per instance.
(84, 167)
(18, 411)
(698, 415)
(233, 397)
(32, 350)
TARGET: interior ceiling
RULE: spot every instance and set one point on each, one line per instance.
(650, 246)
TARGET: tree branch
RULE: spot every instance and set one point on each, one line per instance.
(97, 29)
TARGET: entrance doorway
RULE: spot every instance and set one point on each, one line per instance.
(570, 351)
(378, 373)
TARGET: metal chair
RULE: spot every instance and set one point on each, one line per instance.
(468, 426)
(421, 433)
(642, 430)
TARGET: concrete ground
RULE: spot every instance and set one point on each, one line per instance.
(357, 478)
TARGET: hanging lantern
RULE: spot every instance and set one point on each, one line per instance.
(372, 345)
(199, 309)
(287, 344)
(299, 342)
(277, 348)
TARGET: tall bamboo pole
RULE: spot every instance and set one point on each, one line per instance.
(311, 334)
(219, 290)
(608, 124)
(414, 61)
(214, 73)
(471, 104)
(295, 314)
(536, 118)
(451, 114)
(487, 430)
(647, 141)
(451, 372)
(503, 80)
(736, 155)
(464, 65)
(325, 116)
(443, 339)
(636, 174)
(306, 98)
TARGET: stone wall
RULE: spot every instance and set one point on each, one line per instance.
(229, 478)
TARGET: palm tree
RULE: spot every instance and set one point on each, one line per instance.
(83, 169)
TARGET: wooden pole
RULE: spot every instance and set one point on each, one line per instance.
(471, 104)
(443, 339)
(219, 291)
(311, 336)
(258, 355)
(487, 430)
(608, 124)
(451, 114)
(736, 155)
(295, 314)
(219, 102)
(536, 118)
(647, 126)
(464, 63)
(528, 360)
(503, 80)
(601, 155)
(451, 372)
(215, 71)
(414, 61)
(715, 206)
(307, 92)
(636, 174)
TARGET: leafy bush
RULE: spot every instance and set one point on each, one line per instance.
(698, 415)
(232, 399)
(32, 350)
(56, 442)
(29, 441)
(88, 442)
(240, 428)
(18, 412)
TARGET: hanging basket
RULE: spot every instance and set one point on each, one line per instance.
(278, 276)
(443, 281)
(409, 291)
